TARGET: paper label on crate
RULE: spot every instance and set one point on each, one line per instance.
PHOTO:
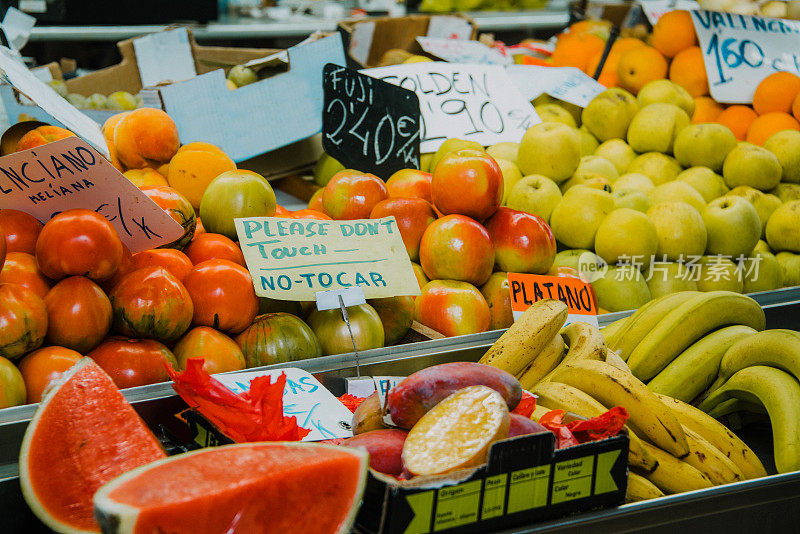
(655, 9)
(449, 27)
(463, 51)
(474, 102)
(578, 295)
(67, 174)
(17, 26)
(304, 397)
(740, 50)
(361, 41)
(292, 259)
(164, 56)
(565, 83)
(46, 98)
(368, 124)
(367, 385)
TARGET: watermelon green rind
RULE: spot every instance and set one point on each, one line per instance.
(120, 518)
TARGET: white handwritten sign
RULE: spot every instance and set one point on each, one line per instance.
(294, 259)
(474, 102)
(739, 51)
(303, 397)
(68, 173)
(565, 83)
(463, 51)
(655, 9)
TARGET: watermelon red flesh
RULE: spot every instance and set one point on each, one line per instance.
(83, 435)
(252, 488)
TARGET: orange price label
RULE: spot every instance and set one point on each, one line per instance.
(575, 293)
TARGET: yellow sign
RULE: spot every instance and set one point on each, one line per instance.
(292, 259)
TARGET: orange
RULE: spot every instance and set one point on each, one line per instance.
(577, 50)
(769, 123)
(738, 118)
(706, 109)
(689, 71)
(608, 76)
(586, 26)
(776, 92)
(640, 65)
(796, 107)
(674, 32)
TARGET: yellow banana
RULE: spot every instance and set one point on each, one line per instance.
(710, 461)
(774, 348)
(584, 342)
(732, 406)
(649, 417)
(673, 475)
(610, 329)
(612, 358)
(688, 375)
(687, 323)
(644, 319)
(539, 411)
(543, 363)
(718, 435)
(779, 393)
(559, 396)
(640, 489)
(526, 338)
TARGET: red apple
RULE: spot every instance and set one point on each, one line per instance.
(413, 216)
(410, 183)
(456, 247)
(467, 182)
(352, 195)
(452, 308)
(523, 242)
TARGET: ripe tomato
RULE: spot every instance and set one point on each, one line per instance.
(223, 295)
(171, 259)
(397, 314)
(12, 385)
(307, 214)
(334, 336)
(221, 353)
(23, 318)
(79, 242)
(278, 338)
(42, 366)
(125, 267)
(178, 207)
(78, 314)
(152, 303)
(232, 194)
(21, 268)
(133, 362)
(20, 230)
(209, 246)
(2, 248)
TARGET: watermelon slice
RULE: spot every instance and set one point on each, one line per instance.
(267, 487)
(83, 434)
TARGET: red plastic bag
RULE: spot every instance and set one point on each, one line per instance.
(351, 401)
(526, 406)
(552, 422)
(603, 426)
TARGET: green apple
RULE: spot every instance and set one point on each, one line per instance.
(621, 288)
(626, 235)
(79, 101)
(570, 108)
(325, 168)
(505, 150)
(732, 225)
(618, 152)
(705, 145)
(589, 143)
(599, 165)
(786, 192)
(451, 145)
(786, 147)
(583, 261)
(631, 198)
(764, 203)
(680, 229)
(634, 180)
(655, 127)
(719, 274)
(121, 100)
(425, 161)
(534, 194)
(591, 179)
(752, 165)
(783, 227)
(511, 175)
(709, 184)
(761, 246)
(555, 113)
(667, 92)
(97, 101)
(659, 167)
(790, 268)
(241, 75)
(761, 272)
(608, 115)
(576, 218)
(676, 192)
(551, 149)
(665, 277)
(59, 86)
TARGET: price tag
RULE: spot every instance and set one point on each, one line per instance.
(367, 385)
(164, 56)
(739, 51)
(449, 27)
(368, 124)
(576, 294)
(655, 9)
(17, 26)
(565, 83)
(304, 397)
(294, 259)
(68, 173)
(463, 51)
(474, 102)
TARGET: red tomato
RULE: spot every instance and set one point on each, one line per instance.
(221, 353)
(23, 318)
(78, 314)
(208, 246)
(125, 267)
(42, 366)
(223, 295)
(178, 207)
(307, 214)
(171, 259)
(21, 268)
(133, 362)
(2, 248)
(79, 242)
(280, 211)
(20, 229)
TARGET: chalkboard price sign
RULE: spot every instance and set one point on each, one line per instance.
(368, 124)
